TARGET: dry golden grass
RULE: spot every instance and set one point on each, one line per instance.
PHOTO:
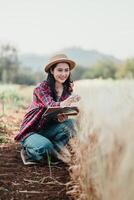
(102, 167)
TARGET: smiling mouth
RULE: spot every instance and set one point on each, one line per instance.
(62, 79)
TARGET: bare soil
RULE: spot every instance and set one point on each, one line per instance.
(20, 182)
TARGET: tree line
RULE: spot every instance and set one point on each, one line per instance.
(106, 69)
(12, 71)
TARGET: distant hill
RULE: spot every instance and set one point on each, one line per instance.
(84, 58)
(34, 61)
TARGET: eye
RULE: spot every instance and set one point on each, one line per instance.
(67, 70)
(60, 70)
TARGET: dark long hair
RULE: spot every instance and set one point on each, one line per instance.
(67, 85)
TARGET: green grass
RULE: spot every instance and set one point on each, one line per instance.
(14, 97)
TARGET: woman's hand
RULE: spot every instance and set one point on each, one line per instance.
(70, 100)
(62, 117)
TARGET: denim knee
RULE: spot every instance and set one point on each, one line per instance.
(38, 153)
(37, 146)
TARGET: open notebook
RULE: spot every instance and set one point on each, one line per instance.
(54, 111)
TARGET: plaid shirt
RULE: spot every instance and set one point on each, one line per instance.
(42, 98)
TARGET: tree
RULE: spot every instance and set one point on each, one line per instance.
(102, 69)
(9, 64)
(78, 72)
(126, 69)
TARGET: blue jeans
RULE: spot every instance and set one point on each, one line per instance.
(49, 140)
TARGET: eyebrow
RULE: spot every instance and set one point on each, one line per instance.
(62, 68)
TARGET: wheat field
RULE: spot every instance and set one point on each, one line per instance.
(102, 167)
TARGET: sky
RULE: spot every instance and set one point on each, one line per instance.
(46, 26)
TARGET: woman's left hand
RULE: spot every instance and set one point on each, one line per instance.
(62, 117)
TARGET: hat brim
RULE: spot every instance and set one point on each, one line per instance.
(71, 63)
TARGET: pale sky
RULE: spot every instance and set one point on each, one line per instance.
(45, 26)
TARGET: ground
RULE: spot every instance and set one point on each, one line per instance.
(27, 182)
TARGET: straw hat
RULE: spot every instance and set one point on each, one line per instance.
(58, 59)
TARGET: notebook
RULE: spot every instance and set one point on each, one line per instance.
(54, 111)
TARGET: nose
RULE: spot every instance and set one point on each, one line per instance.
(64, 73)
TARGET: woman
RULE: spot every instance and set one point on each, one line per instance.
(40, 138)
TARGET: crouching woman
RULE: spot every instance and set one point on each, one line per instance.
(38, 137)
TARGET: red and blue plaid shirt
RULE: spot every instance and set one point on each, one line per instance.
(42, 98)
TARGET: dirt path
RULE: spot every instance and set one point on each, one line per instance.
(19, 182)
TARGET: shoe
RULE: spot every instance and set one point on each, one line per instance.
(26, 160)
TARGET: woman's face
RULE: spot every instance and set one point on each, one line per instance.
(61, 72)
